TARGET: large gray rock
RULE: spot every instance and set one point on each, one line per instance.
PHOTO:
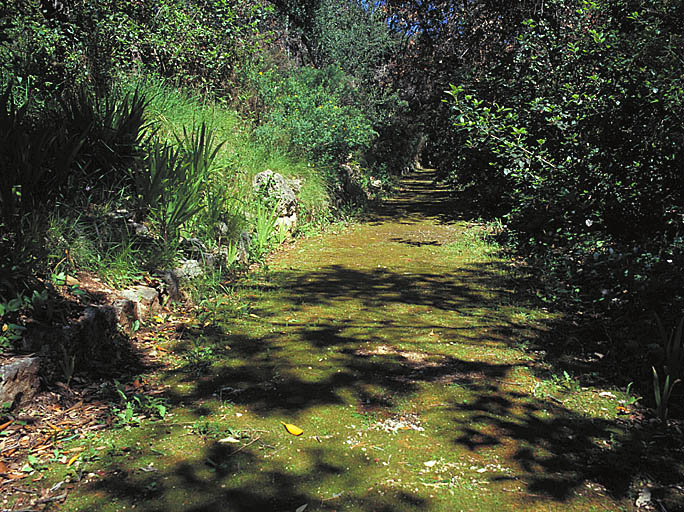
(189, 269)
(19, 379)
(146, 299)
(274, 186)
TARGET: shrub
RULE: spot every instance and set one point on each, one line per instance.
(578, 136)
(312, 112)
(171, 188)
(114, 131)
(194, 43)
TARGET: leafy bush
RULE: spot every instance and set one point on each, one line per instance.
(79, 145)
(313, 113)
(578, 136)
(195, 43)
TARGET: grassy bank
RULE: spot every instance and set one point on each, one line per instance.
(68, 229)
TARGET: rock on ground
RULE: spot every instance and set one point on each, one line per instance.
(272, 185)
(19, 380)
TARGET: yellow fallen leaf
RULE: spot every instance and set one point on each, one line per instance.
(293, 429)
(73, 459)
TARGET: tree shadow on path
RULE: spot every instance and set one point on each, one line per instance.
(375, 339)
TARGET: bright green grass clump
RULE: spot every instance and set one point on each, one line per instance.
(241, 157)
(224, 208)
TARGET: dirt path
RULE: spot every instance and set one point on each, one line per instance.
(401, 347)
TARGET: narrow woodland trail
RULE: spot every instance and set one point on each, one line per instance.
(401, 348)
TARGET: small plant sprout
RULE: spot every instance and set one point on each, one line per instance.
(672, 366)
(662, 396)
(631, 397)
(132, 409)
(674, 348)
(265, 228)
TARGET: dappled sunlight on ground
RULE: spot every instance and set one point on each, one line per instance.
(399, 347)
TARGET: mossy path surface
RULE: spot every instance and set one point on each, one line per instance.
(400, 347)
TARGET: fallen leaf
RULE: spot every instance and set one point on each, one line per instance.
(3, 467)
(75, 406)
(73, 459)
(302, 508)
(607, 394)
(430, 463)
(293, 429)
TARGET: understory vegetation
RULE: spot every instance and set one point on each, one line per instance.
(127, 129)
(571, 132)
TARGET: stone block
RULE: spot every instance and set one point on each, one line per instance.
(146, 298)
(19, 381)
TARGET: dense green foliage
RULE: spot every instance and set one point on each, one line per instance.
(314, 112)
(78, 142)
(354, 51)
(578, 135)
(568, 125)
(193, 43)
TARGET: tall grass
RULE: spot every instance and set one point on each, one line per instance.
(216, 157)
(241, 157)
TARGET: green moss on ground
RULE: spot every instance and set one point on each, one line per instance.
(400, 347)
